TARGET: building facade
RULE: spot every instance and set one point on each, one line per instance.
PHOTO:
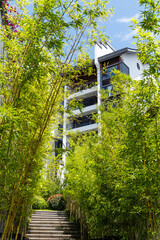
(105, 57)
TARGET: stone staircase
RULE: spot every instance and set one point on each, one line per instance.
(48, 225)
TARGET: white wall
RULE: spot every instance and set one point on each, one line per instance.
(131, 60)
(64, 141)
(101, 50)
(86, 110)
(91, 127)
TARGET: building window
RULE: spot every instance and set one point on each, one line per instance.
(138, 66)
(109, 72)
(83, 121)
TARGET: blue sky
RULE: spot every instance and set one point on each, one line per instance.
(117, 27)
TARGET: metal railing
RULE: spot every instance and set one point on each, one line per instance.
(76, 214)
(83, 87)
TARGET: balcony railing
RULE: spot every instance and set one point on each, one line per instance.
(86, 102)
(83, 87)
(81, 122)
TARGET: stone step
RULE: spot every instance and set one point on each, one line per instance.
(53, 236)
(33, 227)
(51, 222)
(47, 225)
(47, 218)
(52, 231)
(49, 213)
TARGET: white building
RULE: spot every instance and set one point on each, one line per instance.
(124, 60)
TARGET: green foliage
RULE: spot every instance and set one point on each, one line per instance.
(31, 82)
(39, 203)
(56, 202)
(115, 177)
(147, 36)
(50, 186)
(50, 183)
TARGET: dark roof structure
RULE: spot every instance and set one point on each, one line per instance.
(117, 53)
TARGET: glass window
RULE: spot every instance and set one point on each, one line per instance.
(109, 72)
(124, 68)
(138, 66)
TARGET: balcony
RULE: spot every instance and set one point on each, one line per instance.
(85, 110)
(87, 128)
(89, 105)
(84, 93)
(88, 101)
(83, 87)
(81, 122)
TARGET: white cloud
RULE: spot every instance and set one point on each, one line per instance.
(128, 36)
(127, 20)
(125, 37)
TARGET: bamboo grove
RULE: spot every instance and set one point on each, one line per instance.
(40, 39)
(114, 176)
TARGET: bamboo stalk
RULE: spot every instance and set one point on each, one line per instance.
(25, 52)
(16, 189)
(10, 218)
(10, 137)
(147, 229)
(153, 213)
(150, 218)
(40, 135)
(7, 222)
(23, 169)
(51, 109)
(10, 233)
(157, 147)
(78, 40)
(19, 225)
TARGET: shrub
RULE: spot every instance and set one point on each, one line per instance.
(49, 186)
(56, 202)
(39, 203)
